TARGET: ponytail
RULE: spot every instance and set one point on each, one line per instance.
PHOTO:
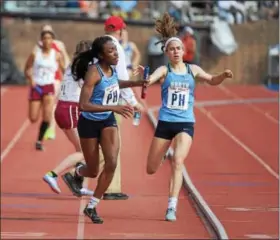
(80, 64)
(82, 61)
(167, 28)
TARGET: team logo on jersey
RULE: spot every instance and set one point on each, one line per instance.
(111, 95)
(178, 95)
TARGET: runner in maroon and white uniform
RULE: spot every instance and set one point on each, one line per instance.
(58, 46)
(40, 70)
(66, 116)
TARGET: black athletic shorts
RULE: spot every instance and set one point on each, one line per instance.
(168, 130)
(92, 129)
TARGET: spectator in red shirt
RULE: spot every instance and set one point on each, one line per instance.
(189, 44)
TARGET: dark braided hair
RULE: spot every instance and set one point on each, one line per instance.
(82, 60)
(166, 27)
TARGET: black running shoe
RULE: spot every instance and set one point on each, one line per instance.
(79, 179)
(92, 214)
(72, 184)
(115, 196)
(39, 146)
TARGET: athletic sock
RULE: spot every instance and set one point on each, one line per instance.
(93, 202)
(43, 128)
(172, 202)
(77, 170)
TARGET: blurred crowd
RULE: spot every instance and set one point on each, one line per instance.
(234, 12)
(184, 12)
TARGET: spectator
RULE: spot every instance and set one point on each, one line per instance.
(203, 5)
(252, 10)
(113, 27)
(126, 9)
(189, 43)
(269, 9)
(179, 11)
(90, 8)
(231, 11)
(132, 53)
(72, 4)
(201, 11)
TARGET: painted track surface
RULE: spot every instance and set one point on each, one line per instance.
(30, 210)
(8, 127)
(234, 159)
(142, 216)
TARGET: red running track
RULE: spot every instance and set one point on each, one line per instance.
(234, 159)
(30, 210)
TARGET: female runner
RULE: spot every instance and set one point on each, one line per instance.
(40, 70)
(97, 124)
(66, 116)
(176, 116)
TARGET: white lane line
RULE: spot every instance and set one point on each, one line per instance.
(22, 235)
(15, 139)
(240, 143)
(257, 109)
(81, 220)
(3, 90)
(253, 209)
(260, 236)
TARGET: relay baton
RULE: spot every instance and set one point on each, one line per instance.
(144, 88)
(38, 89)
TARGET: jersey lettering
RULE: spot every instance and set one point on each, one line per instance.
(63, 89)
(44, 75)
(111, 95)
(68, 88)
(178, 98)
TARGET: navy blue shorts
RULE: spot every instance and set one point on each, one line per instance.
(92, 129)
(168, 130)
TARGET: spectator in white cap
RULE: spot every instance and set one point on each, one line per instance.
(189, 30)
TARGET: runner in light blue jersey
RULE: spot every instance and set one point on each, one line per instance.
(106, 92)
(177, 93)
(176, 116)
(97, 124)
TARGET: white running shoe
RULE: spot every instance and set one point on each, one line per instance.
(52, 182)
(86, 192)
(170, 215)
